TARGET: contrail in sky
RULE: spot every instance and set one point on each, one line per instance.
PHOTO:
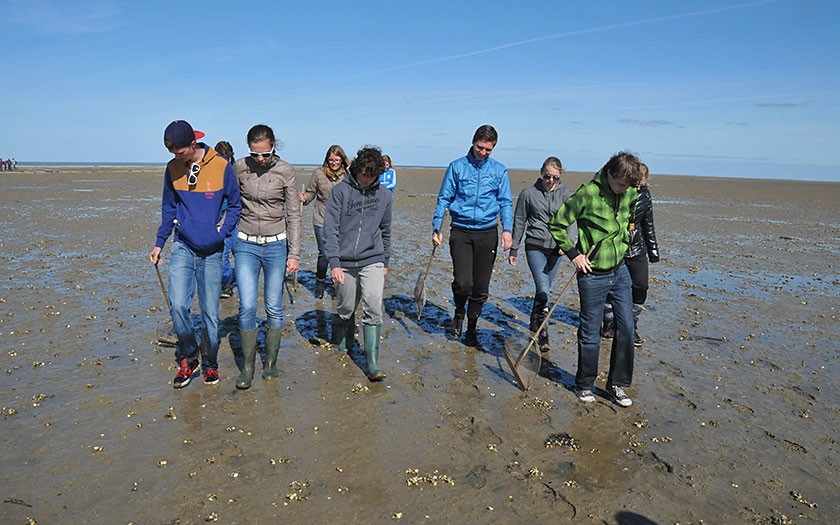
(646, 21)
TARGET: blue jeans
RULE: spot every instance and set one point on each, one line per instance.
(186, 268)
(227, 271)
(249, 258)
(544, 265)
(321, 269)
(595, 290)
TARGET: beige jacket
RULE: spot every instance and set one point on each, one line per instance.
(318, 189)
(270, 202)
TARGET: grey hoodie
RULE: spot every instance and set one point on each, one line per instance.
(357, 224)
(534, 208)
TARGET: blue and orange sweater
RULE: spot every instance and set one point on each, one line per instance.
(194, 211)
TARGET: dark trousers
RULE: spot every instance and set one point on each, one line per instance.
(638, 267)
(473, 257)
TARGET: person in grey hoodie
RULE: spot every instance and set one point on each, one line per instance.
(357, 242)
(536, 206)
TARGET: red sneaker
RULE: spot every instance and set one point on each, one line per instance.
(211, 377)
(185, 373)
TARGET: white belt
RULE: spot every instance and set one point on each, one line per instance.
(259, 239)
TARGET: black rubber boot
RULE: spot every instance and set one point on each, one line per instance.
(471, 336)
(457, 325)
(249, 350)
(320, 286)
(542, 337)
(272, 346)
(372, 352)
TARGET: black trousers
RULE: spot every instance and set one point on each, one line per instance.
(473, 256)
(638, 267)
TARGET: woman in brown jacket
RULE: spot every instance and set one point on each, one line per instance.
(268, 239)
(320, 184)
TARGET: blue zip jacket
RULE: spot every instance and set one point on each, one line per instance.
(195, 211)
(475, 193)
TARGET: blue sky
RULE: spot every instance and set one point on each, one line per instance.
(720, 88)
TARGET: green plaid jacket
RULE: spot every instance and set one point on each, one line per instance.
(602, 217)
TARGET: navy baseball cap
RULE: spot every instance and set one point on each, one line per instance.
(181, 134)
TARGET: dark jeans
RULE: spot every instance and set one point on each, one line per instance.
(595, 290)
(638, 267)
(323, 263)
(473, 257)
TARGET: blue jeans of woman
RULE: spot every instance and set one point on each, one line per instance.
(321, 268)
(544, 265)
(186, 269)
(250, 257)
(595, 289)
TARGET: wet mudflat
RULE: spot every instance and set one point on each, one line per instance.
(735, 411)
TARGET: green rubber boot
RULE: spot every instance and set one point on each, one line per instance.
(249, 350)
(342, 334)
(372, 352)
(272, 346)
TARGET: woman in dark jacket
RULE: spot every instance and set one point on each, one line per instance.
(643, 249)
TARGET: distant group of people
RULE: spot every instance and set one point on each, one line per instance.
(605, 229)
(8, 164)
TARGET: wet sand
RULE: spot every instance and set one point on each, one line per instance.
(735, 412)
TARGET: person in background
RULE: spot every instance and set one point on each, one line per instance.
(268, 239)
(535, 206)
(643, 249)
(357, 239)
(195, 184)
(389, 176)
(225, 149)
(322, 181)
(476, 191)
(602, 208)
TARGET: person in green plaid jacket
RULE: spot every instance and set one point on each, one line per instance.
(602, 208)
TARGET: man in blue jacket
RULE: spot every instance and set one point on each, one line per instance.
(476, 191)
(195, 184)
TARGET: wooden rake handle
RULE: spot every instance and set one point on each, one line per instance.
(162, 287)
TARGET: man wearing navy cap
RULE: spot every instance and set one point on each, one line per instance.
(195, 184)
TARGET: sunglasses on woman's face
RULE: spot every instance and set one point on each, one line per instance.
(192, 174)
(264, 155)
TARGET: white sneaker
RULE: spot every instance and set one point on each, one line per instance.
(585, 395)
(620, 397)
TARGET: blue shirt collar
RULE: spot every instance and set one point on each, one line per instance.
(474, 161)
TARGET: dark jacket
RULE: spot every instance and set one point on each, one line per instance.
(642, 233)
(357, 224)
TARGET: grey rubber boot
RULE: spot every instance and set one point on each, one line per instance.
(342, 333)
(372, 352)
(608, 328)
(637, 309)
(272, 346)
(249, 350)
